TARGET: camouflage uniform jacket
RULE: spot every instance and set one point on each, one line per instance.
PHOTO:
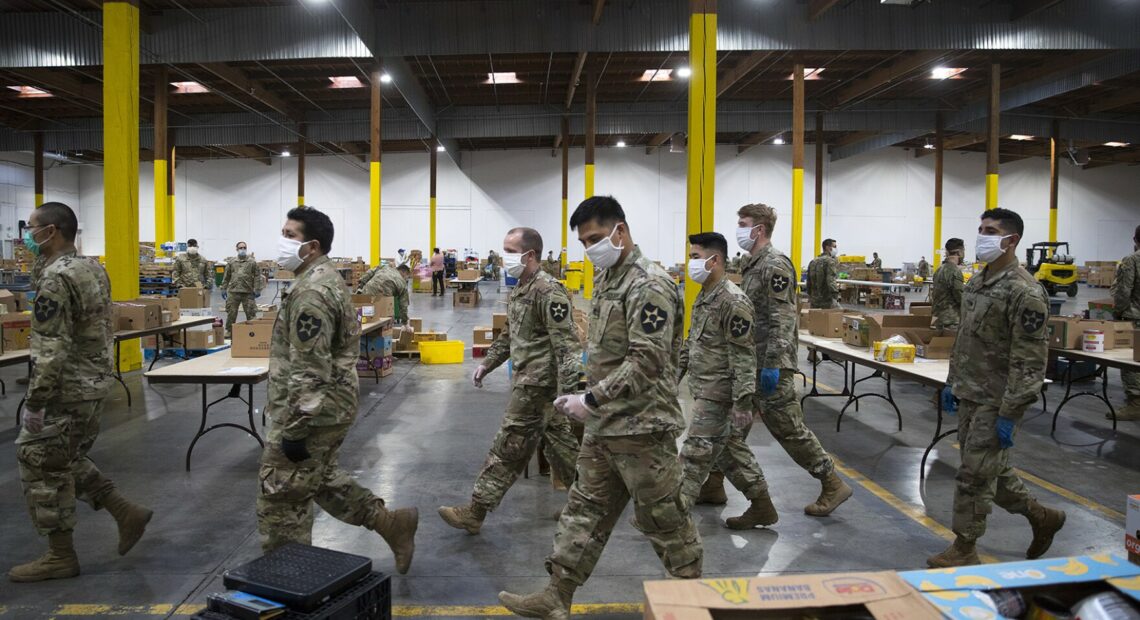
(770, 282)
(823, 281)
(718, 354)
(876, 263)
(72, 336)
(192, 271)
(241, 276)
(923, 269)
(1000, 353)
(37, 271)
(386, 281)
(539, 339)
(1126, 288)
(312, 358)
(636, 326)
(946, 295)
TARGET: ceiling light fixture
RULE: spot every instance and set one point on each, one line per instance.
(503, 77)
(929, 145)
(385, 78)
(30, 92)
(440, 148)
(346, 81)
(186, 88)
(658, 75)
(684, 72)
(947, 73)
(810, 73)
(620, 144)
(778, 141)
(286, 153)
(1117, 144)
(1020, 137)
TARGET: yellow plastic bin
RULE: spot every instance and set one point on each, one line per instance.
(442, 352)
(573, 279)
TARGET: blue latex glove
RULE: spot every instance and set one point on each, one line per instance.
(1005, 428)
(949, 403)
(225, 295)
(769, 378)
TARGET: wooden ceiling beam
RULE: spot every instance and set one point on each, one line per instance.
(599, 6)
(879, 78)
(742, 68)
(240, 80)
(853, 137)
(245, 151)
(575, 76)
(816, 8)
(953, 143)
(754, 139)
(1126, 97)
(656, 141)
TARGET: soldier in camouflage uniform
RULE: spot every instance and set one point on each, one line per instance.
(313, 392)
(240, 285)
(385, 281)
(541, 343)
(1126, 301)
(721, 364)
(192, 269)
(946, 291)
(632, 417)
(996, 370)
(823, 276)
(876, 262)
(72, 374)
(923, 268)
(770, 282)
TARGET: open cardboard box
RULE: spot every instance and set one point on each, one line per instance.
(825, 323)
(883, 326)
(833, 595)
(953, 591)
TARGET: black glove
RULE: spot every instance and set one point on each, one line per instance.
(295, 449)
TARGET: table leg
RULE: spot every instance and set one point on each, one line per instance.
(938, 436)
(235, 392)
(1102, 374)
(119, 370)
(855, 398)
(157, 351)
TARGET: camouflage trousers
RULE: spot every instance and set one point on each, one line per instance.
(824, 303)
(530, 417)
(247, 304)
(611, 470)
(710, 445)
(784, 418)
(288, 489)
(985, 476)
(54, 467)
(1131, 379)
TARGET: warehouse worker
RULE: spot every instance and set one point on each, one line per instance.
(996, 371)
(721, 364)
(823, 278)
(388, 282)
(1126, 302)
(493, 264)
(437, 273)
(770, 282)
(72, 372)
(946, 291)
(632, 418)
(313, 392)
(734, 266)
(240, 285)
(923, 268)
(192, 269)
(876, 262)
(547, 361)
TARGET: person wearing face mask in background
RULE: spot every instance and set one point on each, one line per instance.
(632, 418)
(240, 285)
(192, 269)
(946, 291)
(923, 268)
(997, 368)
(721, 364)
(547, 358)
(823, 278)
(312, 401)
(770, 282)
(1126, 307)
(388, 282)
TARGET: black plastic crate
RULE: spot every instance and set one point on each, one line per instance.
(301, 577)
(368, 599)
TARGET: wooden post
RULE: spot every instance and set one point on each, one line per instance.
(938, 157)
(591, 120)
(818, 237)
(565, 190)
(993, 138)
(432, 149)
(374, 170)
(701, 173)
(161, 163)
(797, 164)
(301, 167)
(38, 156)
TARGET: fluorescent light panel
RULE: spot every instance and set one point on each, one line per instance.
(503, 77)
(656, 75)
(346, 81)
(1020, 137)
(30, 92)
(189, 88)
(810, 73)
(947, 73)
(1116, 144)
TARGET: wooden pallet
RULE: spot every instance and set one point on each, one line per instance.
(408, 355)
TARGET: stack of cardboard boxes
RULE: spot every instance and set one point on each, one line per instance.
(251, 338)
(1067, 332)
(371, 308)
(376, 353)
(1101, 273)
(195, 297)
(865, 331)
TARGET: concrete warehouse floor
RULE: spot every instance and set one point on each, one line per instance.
(422, 435)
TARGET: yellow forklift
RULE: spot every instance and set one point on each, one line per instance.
(1053, 267)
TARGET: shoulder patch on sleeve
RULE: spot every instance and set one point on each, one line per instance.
(46, 308)
(739, 326)
(780, 282)
(308, 327)
(1032, 320)
(653, 318)
(559, 311)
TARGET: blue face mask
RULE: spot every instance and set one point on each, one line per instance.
(31, 243)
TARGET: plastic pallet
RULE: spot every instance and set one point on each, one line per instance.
(368, 599)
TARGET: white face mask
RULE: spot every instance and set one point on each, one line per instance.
(698, 269)
(242, 253)
(744, 238)
(989, 247)
(288, 253)
(834, 253)
(604, 254)
(513, 263)
(192, 251)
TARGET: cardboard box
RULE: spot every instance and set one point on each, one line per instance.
(922, 308)
(169, 304)
(194, 297)
(8, 304)
(281, 274)
(251, 338)
(466, 299)
(883, 326)
(429, 337)
(268, 312)
(483, 336)
(1064, 332)
(1117, 334)
(1132, 529)
(467, 274)
(856, 330)
(825, 323)
(937, 348)
(135, 316)
(16, 328)
(416, 323)
(1101, 309)
(954, 592)
(201, 340)
(884, 595)
(499, 321)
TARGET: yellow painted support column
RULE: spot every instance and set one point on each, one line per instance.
(171, 164)
(993, 137)
(1053, 182)
(565, 193)
(591, 123)
(701, 174)
(301, 168)
(797, 166)
(818, 237)
(374, 169)
(39, 167)
(431, 203)
(991, 191)
(121, 156)
(161, 132)
(938, 161)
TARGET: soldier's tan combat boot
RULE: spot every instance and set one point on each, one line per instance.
(131, 519)
(398, 529)
(466, 517)
(959, 553)
(835, 491)
(1129, 412)
(712, 492)
(550, 603)
(761, 512)
(60, 562)
(1046, 522)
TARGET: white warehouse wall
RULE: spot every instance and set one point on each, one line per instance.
(881, 201)
(18, 193)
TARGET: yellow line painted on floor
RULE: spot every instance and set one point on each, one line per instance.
(587, 609)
